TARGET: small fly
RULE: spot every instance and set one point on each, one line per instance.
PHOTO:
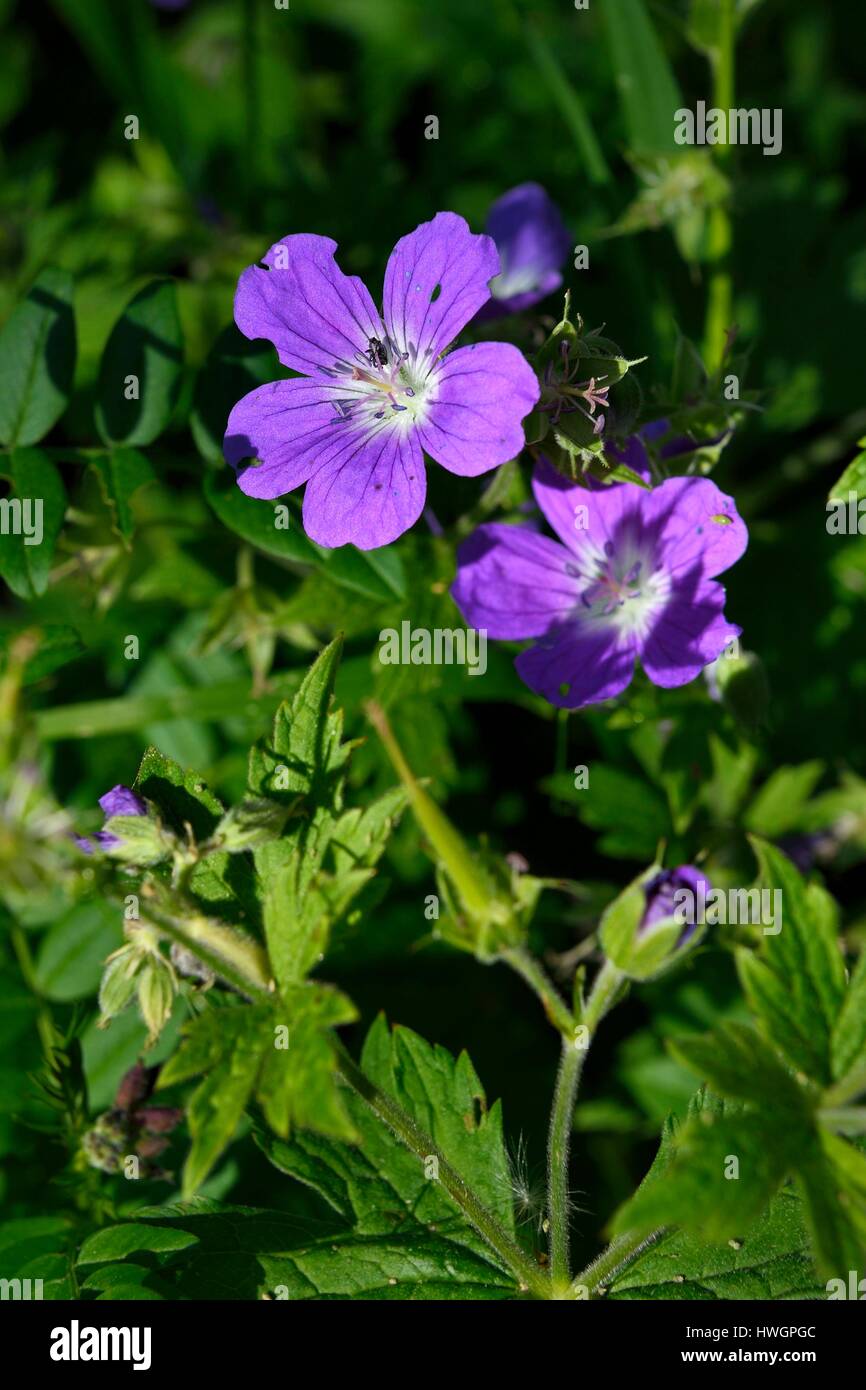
(377, 353)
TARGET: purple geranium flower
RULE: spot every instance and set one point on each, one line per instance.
(532, 242)
(632, 575)
(661, 897)
(120, 801)
(375, 391)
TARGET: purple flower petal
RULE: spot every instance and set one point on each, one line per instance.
(532, 242)
(291, 427)
(632, 583)
(689, 633)
(314, 315)
(513, 582)
(368, 491)
(698, 526)
(578, 664)
(660, 892)
(436, 280)
(122, 801)
(585, 518)
(479, 396)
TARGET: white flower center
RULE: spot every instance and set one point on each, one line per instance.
(383, 387)
(624, 588)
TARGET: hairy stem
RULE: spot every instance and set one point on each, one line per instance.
(531, 1278)
(604, 993)
(612, 1261)
(529, 969)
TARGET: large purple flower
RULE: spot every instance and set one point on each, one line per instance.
(532, 242)
(375, 391)
(632, 575)
(120, 801)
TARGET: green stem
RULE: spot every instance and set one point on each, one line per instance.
(720, 292)
(554, 1005)
(612, 1261)
(604, 993)
(531, 1278)
(470, 879)
(252, 106)
(131, 713)
(44, 1020)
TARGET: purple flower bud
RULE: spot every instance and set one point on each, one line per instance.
(135, 1086)
(661, 901)
(120, 801)
(532, 242)
(159, 1119)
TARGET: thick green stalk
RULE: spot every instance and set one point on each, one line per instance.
(471, 881)
(604, 993)
(531, 1278)
(234, 957)
(720, 292)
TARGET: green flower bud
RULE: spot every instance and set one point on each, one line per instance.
(136, 840)
(118, 982)
(156, 989)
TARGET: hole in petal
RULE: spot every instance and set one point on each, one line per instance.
(436, 293)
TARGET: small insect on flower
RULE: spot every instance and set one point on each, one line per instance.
(377, 353)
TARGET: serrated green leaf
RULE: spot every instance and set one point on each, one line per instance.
(832, 1179)
(772, 1261)
(282, 1053)
(779, 804)
(37, 485)
(724, 1169)
(305, 759)
(848, 1043)
(796, 983)
(146, 344)
(37, 360)
(736, 1062)
(416, 1265)
(396, 1209)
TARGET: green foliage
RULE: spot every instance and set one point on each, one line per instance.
(25, 562)
(139, 377)
(268, 899)
(37, 361)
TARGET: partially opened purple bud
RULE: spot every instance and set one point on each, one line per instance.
(119, 801)
(532, 242)
(675, 893)
(122, 801)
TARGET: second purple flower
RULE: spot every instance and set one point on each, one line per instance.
(631, 576)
